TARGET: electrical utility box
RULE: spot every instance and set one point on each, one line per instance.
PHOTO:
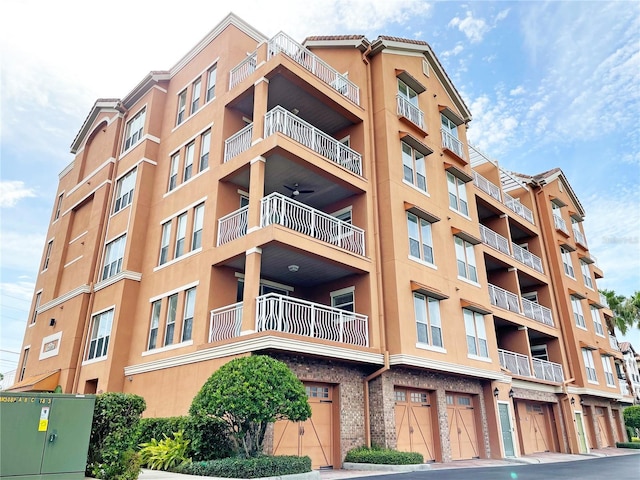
(44, 436)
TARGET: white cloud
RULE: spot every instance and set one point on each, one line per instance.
(21, 251)
(519, 90)
(473, 28)
(453, 52)
(12, 191)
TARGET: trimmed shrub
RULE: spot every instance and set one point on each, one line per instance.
(632, 416)
(383, 456)
(113, 434)
(256, 467)
(207, 436)
(165, 454)
(635, 445)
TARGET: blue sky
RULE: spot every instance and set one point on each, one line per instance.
(549, 84)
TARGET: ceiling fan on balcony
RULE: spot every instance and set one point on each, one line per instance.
(295, 191)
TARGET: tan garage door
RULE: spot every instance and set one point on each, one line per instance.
(462, 427)
(414, 420)
(534, 426)
(603, 426)
(313, 437)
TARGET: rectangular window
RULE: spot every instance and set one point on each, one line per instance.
(195, 96)
(133, 132)
(205, 147)
(211, 83)
(23, 368)
(171, 319)
(182, 106)
(448, 126)
(188, 162)
(155, 322)
(476, 333)
(587, 356)
(597, 323)
(466, 259)
(608, 372)
(164, 243)
(100, 332)
(189, 307)
(457, 194)
(586, 274)
(198, 221)
(578, 316)
(428, 324)
(414, 167)
(47, 255)
(173, 173)
(36, 305)
(114, 254)
(124, 190)
(56, 214)
(406, 92)
(566, 261)
(180, 235)
(420, 241)
(344, 299)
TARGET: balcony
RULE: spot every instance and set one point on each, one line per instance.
(238, 142)
(280, 120)
(624, 389)
(225, 322)
(409, 111)
(486, 186)
(521, 365)
(527, 258)
(494, 240)
(613, 343)
(511, 203)
(232, 226)
(278, 209)
(243, 70)
(560, 224)
(515, 206)
(452, 144)
(578, 235)
(510, 301)
(603, 300)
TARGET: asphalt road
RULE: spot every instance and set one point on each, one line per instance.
(614, 468)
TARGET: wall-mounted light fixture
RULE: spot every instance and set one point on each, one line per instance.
(52, 322)
(496, 392)
(511, 393)
(573, 401)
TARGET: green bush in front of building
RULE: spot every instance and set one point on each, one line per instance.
(383, 456)
(255, 467)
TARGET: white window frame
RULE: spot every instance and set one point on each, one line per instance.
(23, 367)
(196, 88)
(181, 235)
(540, 352)
(465, 260)
(608, 372)
(342, 293)
(578, 314)
(56, 213)
(211, 83)
(36, 305)
(182, 107)
(457, 194)
(205, 149)
(476, 333)
(414, 165)
(448, 126)
(189, 154)
(154, 325)
(99, 334)
(125, 187)
(419, 232)
(587, 356)
(408, 93)
(113, 257)
(198, 223)
(597, 323)
(567, 262)
(187, 318)
(170, 325)
(586, 274)
(428, 320)
(47, 255)
(173, 172)
(134, 130)
(165, 240)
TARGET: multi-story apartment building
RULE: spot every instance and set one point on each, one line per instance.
(629, 374)
(319, 203)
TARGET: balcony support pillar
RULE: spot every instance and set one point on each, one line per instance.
(256, 192)
(260, 95)
(251, 290)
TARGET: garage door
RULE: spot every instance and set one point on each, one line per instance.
(534, 426)
(603, 426)
(313, 437)
(414, 420)
(462, 427)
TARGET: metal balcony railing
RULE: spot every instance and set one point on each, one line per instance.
(280, 120)
(494, 240)
(504, 299)
(511, 203)
(238, 142)
(486, 186)
(613, 342)
(515, 206)
(279, 209)
(232, 226)
(603, 299)
(527, 258)
(560, 224)
(624, 389)
(521, 365)
(243, 70)
(300, 317)
(282, 43)
(545, 370)
(410, 111)
(579, 236)
(452, 143)
(510, 301)
(225, 322)
(537, 312)
(516, 363)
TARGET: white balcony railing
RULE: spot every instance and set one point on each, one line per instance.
(504, 299)
(579, 236)
(225, 322)
(243, 70)
(452, 143)
(613, 342)
(276, 208)
(517, 207)
(494, 240)
(410, 111)
(537, 312)
(624, 389)
(280, 120)
(527, 258)
(560, 224)
(603, 300)
(232, 226)
(300, 317)
(486, 186)
(545, 370)
(282, 43)
(238, 143)
(516, 363)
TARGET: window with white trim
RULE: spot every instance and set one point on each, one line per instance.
(587, 356)
(408, 93)
(608, 371)
(99, 336)
(171, 319)
(414, 167)
(189, 308)
(428, 323)
(114, 254)
(56, 214)
(457, 194)
(195, 96)
(476, 333)
(124, 190)
(36, 305)
(466, 259)
(205, 147)
(188, 161)
(198, 222)
(586, 274)
(182, 107)
(344, 299)
(578, 316)
(164, 243)
(566, 261)
(597, 323)
(211, 83)
(133, 131)
(173, 172)
(181, 235)
(155, 324)
(420, 240)
(47, 255)
(448, 126)
(23, 368)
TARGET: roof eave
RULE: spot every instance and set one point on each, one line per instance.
(100, 105)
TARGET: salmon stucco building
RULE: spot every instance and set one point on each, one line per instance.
(320, 203)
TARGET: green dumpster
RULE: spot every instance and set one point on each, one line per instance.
(44, 435)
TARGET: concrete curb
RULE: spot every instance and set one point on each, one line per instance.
(385, 468)
(162, 475)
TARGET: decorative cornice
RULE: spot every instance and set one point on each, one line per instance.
(538, 387)
(63, 298)
(123, 275)
(421, 362)
(595, 393)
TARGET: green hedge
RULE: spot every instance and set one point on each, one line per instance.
(263, 466)
(635, 445)
(384, 456)
(207, 436)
